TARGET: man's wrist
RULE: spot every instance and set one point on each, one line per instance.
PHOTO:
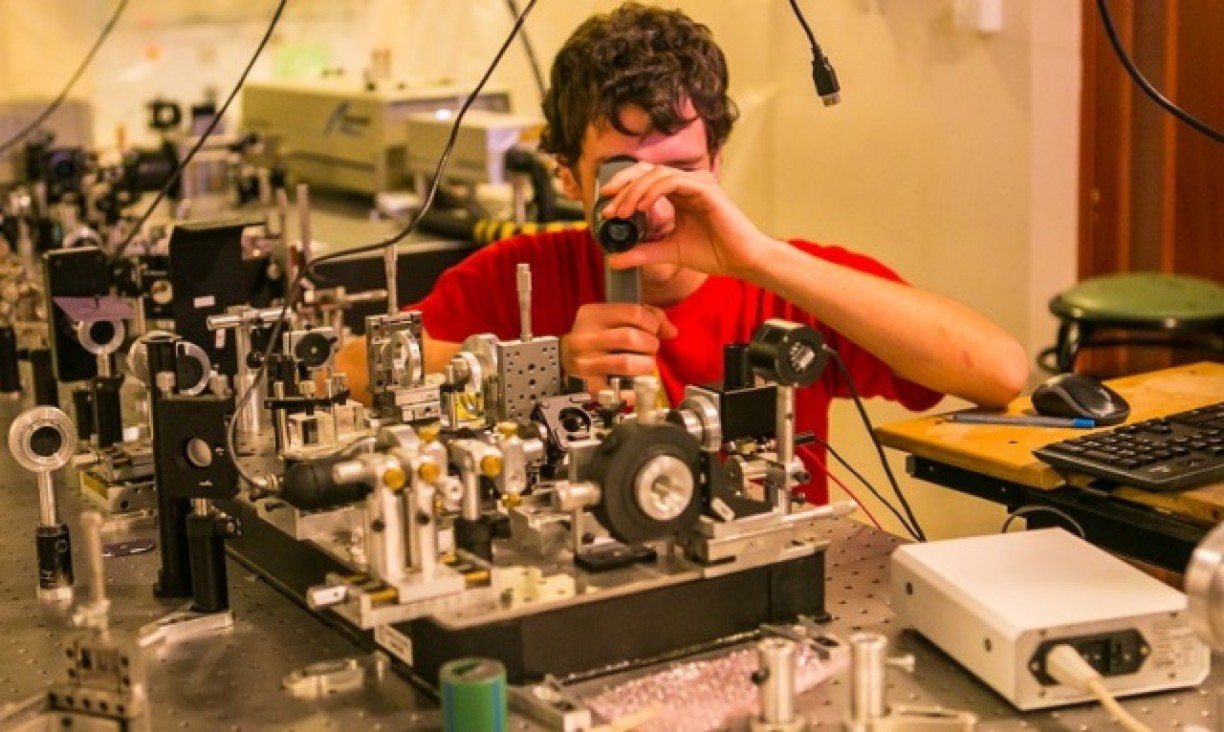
(769, 253)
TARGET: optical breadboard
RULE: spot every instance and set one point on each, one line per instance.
(998, 604)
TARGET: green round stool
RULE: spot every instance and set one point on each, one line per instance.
(1150, 308)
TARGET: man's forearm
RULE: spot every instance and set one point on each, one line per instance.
(924, 337)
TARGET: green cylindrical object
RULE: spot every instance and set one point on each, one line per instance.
(473, 695)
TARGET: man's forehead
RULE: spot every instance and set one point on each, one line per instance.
(634, 120)
(636, 126)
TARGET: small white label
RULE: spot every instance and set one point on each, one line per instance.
(1175, 646)
(396, 643)
(204, 301)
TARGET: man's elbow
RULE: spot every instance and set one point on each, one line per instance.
(1010, 370)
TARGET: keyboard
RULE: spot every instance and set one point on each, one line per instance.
(1173, 452)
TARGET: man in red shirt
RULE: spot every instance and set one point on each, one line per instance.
(651, 84)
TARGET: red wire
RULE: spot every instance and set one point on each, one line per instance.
(864, 509)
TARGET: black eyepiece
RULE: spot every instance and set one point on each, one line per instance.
(615, 235)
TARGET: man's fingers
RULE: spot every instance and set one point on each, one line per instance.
(648, 184)
(614, 364)
(628, 339)
(666, 328)
(604, 316)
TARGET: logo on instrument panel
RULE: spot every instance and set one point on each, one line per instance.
(343, 122)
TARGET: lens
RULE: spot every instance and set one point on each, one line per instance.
(46, 441)
(786, 352)
(619, 235)
(101, 332)
(313, 349)
(64, 170)
(198, 453)
(576, 423)
(190, 371)
(619, 232)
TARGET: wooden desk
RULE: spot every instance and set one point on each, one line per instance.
(996, 462)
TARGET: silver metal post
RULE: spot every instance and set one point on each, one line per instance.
(140, 323)
(25, 246)
(422, 535)
(48, 514)
(777, 672)
(646, 397)
(786, 445)
(576, 517)
(242, 320)
(91, 522)
(518, 190)
(104, 366)
(524, 299)
(249, 416)
(391, 266)
(385, 537)
(282, 424)
(470, 506)
(868, 682)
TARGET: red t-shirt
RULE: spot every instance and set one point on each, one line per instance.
(478, 295)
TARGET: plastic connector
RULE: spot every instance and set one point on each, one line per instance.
(1068, 667)
(825, 79)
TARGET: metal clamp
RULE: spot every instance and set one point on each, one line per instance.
(869, 710)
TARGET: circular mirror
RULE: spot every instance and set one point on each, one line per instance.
(101, 337)
(42, 439)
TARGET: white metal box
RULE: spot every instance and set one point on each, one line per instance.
(342, 133)
(998, 603)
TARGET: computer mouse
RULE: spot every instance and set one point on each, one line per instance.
(1078, 395)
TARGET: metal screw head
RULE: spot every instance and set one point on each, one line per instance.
(429, 472)
(395, 478)
(491, 465)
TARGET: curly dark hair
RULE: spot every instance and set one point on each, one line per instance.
(636, 55)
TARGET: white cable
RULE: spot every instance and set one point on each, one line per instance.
(1066, 666)
(1113, 707)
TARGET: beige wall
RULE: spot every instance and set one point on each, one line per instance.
(38, 42)
(953, 156)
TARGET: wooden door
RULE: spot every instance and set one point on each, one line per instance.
(1151, 187)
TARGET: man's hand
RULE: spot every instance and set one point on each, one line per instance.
(692, 222)
(614, 339)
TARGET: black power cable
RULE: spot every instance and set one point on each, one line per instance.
(212, 125)
(1169, 106)
(55, 104)
(295, 288)
(912, 524)
(879, 497)
(823, 74)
